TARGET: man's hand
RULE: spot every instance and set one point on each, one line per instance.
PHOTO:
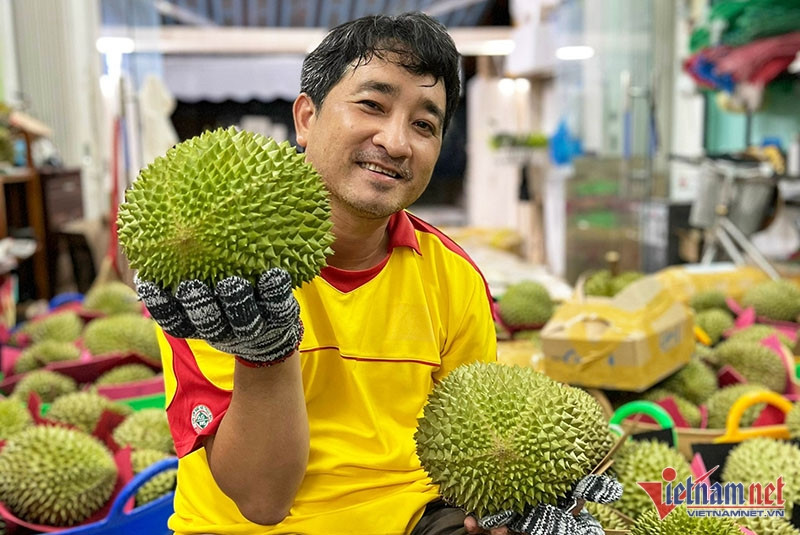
(260, 325)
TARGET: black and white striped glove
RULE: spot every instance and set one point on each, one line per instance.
(545, 519)
(259, 325)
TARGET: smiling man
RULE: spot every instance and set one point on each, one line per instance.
(316, 435)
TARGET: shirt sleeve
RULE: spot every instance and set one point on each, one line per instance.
(198, 383)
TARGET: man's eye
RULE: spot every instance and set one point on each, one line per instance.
(425, 126)
(370, 104)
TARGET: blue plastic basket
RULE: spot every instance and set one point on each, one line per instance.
(150, 518)
(64, 298)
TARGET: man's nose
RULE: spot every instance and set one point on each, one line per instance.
(393, 136)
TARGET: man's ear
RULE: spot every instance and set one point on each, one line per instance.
(303, 111)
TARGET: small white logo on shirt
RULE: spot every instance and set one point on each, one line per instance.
(201, 417)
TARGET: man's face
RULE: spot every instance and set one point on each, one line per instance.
(376, 137)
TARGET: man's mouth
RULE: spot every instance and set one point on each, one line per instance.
(378, 169)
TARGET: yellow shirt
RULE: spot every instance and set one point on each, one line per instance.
(375, 342)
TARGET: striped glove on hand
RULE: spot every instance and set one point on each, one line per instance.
(546, 519)
(259, 325)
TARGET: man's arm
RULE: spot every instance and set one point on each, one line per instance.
(259, 454)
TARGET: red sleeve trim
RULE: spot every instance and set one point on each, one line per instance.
(198, 405)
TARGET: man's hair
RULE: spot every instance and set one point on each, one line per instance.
(414, 41)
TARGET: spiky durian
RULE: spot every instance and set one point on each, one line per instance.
(708, 299)
(720, 403)
(226, 203)
(160, 484)
(756, 333)
(60, 327)
(777, 300)
(769, 525)
(598, 284)
(621, 281)
(113, 297)
(122, 333)
(793, 421)
(47, 384)
(55, 476)
(125, 374)
(763, 460)
(14, 417)
(644, 461)
(43, 353)
(687, 409)
(525, 304)
(696, 381)
(83, 409)
(714, 322)
(678, 522)
(608, 517)
(755, 362)
(145, 429)
(469, 438)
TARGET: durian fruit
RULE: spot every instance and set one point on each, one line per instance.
(145, 429)
(226, 203)
(696, 381)
(55, 476)
(525, 304)
(608, 517)
(14, 417)
(113, 297)
(777, 300)
(720, 404)
(644, 461)
(769, 525)
(497, 437)
(598, 284)
(793, 421)
(757, 332)
(160, 484)
(125, 374)
(47, 384)
(714, 322)
(83, 409)
(704, 353)
(678, 522)
(122, 333)
(707, 300)
(534, 335)
(756, 363)
(60, 327)
(763, 460)
(621, 281)
(43, 353)
(687, 409)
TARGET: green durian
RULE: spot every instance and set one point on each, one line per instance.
(696, 381)
(145, 429)
(621, 281)
(704, 353)
(497, 437)
(59, 327)
(55, 476)
(113, 297)
(678, 522)
(689, 411)
(644, 461)
(608, 517)
(125, 374)
(763, 460)
(720, 403)
(122, 333)
(769, 525)
(777, 300)
(14, 417)
(47, 384)
(708, 300)
(43, 353)
(793, 421)
(157, 486)
(756, 333)
(598, 284)
(226, 203)
(755, 362)
(83, 409)
(714, 322)
(525, 304)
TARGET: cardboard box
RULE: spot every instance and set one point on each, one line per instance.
(628, 342)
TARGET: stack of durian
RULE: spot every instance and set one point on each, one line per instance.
(522, 310)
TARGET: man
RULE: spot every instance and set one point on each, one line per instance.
(313, 433)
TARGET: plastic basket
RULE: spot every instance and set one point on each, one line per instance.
(150, 518)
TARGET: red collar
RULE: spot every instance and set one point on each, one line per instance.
(401, 232)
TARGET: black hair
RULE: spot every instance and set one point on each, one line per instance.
(415, 41)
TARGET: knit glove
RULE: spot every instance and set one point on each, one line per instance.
(259, 325)
(545, 519)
